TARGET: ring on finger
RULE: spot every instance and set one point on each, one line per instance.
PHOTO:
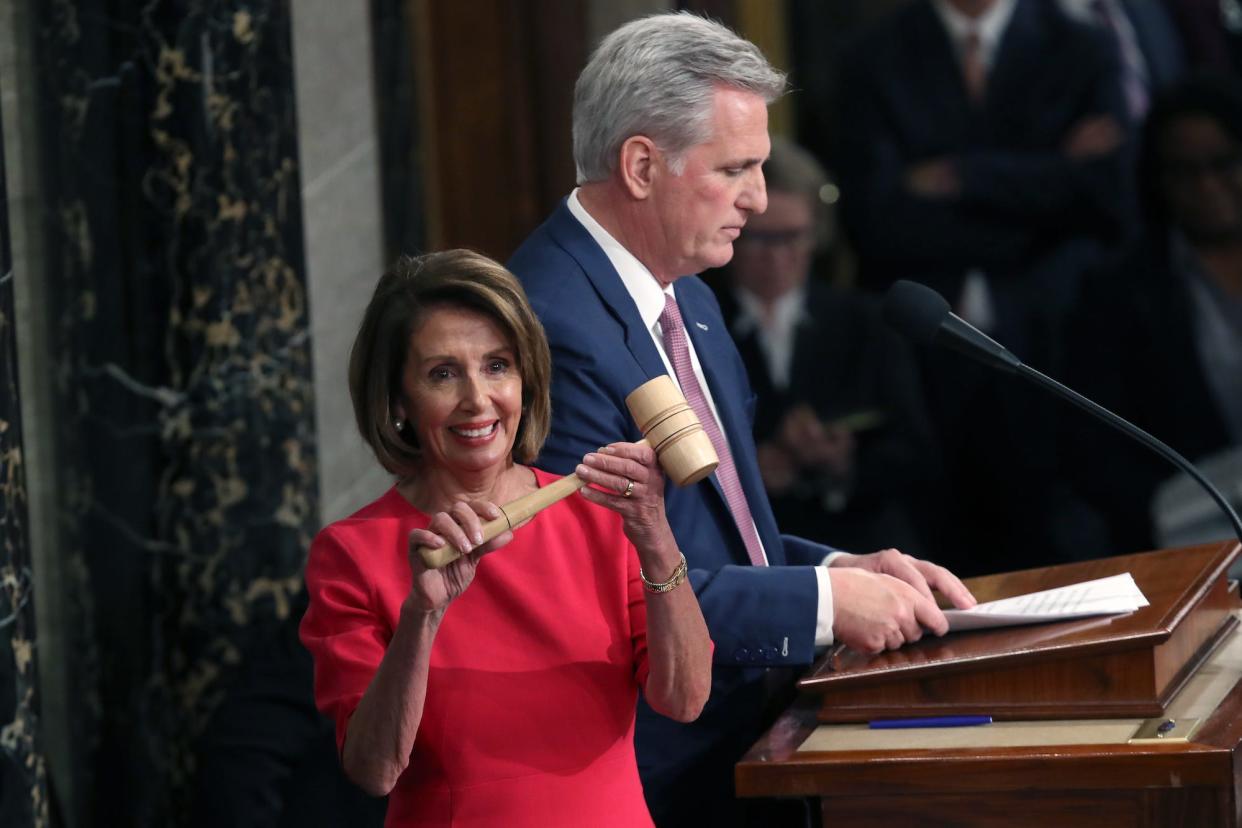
(629, 488)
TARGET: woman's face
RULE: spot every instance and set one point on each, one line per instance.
(462, 390)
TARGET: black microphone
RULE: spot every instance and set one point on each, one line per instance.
(923, 316)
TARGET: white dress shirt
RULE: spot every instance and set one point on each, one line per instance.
(775, 330)
(989, 27)
(648, 296)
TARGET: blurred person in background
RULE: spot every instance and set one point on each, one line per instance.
(1157, 335)
(1211, 32)
(1148, 46)
(983, 152)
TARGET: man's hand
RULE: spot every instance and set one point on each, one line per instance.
(817, 445)
(873, 612)
(924, 576)
(936, 178)
(776, 467)
(1092, 137)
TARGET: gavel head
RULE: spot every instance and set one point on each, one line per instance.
(671, 428)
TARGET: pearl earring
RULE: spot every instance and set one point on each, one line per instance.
(398, 423)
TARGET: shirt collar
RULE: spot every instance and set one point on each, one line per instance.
(990, 26)
(639, 282)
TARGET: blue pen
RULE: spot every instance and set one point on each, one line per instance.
(929, 721)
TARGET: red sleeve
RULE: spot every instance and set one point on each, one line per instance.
(341, 628)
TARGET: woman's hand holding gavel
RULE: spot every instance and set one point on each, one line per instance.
(462, 526)
(632, 485)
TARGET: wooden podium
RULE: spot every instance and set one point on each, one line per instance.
(1069, 698)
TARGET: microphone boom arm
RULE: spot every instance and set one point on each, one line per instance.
(921, 314)
(1134, 432)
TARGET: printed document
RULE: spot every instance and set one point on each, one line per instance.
(1113, 595)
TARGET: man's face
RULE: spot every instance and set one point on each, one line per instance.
(698, 214)
(774, 252)
(1201, 178)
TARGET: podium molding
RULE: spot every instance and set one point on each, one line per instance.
(1100, 667)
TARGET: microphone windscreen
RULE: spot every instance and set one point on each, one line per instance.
(914, 310)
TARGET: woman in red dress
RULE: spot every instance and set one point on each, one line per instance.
(500, 689)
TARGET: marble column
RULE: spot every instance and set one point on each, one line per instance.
(344, 224)
(23, 772)
(184, 407)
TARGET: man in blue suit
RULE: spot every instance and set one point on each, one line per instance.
(670, 132)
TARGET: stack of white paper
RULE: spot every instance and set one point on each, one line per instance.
(1103, 596)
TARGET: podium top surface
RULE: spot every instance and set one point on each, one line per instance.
(1173, 580)
(800, 756)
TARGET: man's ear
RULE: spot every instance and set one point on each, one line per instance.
(639, 157)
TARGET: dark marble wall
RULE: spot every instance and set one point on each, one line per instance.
(185, 434)
(23, 771)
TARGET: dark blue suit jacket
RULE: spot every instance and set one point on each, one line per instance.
(1158, 40)
(758, 616)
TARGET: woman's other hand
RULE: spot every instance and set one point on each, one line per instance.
(433, 590)
(631, 483)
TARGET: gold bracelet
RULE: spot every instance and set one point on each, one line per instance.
(674, 580)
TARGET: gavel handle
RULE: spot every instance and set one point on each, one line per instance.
(514, 513)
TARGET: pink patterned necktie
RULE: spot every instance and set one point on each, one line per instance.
(974, 73)
(675, 344)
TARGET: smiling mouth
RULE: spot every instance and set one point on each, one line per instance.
(483, 431)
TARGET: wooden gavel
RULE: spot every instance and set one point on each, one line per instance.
(669, 426)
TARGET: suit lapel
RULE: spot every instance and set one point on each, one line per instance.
(930, 57)
(1019, 49)
(569, 233)
(707, 331)
(574, 239)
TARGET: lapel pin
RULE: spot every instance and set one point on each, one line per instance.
(701, 326)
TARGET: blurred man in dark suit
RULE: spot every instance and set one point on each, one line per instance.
(983, 154)
(1157, 337)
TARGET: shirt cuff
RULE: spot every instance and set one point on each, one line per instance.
(836, 553)
(823, 616)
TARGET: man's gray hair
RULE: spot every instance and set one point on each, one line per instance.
(655, 76)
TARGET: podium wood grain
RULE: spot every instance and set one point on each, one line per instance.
(1103, 667)
(1192, 783)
